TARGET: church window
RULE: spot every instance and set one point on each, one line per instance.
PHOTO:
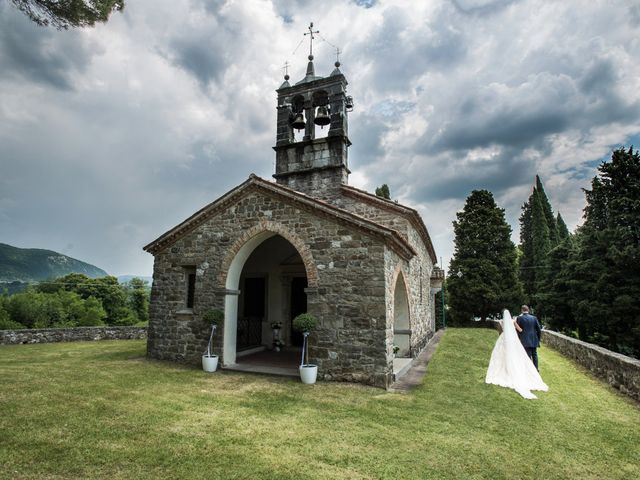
(190, 281)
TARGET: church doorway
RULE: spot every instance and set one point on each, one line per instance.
(253, 313)
(270, 293)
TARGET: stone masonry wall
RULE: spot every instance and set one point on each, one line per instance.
(617, 370)
(348, 299)
(52, 335)
(417, 275)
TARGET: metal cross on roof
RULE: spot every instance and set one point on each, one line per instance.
(311, 32)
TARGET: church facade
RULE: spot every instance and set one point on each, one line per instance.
(266, 251)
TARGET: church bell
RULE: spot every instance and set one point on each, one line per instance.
(298, 122)
(322, 117)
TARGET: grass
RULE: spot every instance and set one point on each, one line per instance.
(102, 410)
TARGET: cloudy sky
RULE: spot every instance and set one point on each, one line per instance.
(109, 136)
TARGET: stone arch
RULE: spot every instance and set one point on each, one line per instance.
(401, 313)
(240, 250)
(401, 310)
(231, 271)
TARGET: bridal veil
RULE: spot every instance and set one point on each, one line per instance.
(510, 366)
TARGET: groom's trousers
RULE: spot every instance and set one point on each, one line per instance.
(533, 355)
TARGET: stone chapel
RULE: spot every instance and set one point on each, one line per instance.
(266, 251)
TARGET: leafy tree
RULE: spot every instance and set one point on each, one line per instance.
(606, 281)
(112, 295)
(482, 274)
(63, 14)
(138, 291)
(34, 309)
(383, 191)
(91, 314)
(5, 319)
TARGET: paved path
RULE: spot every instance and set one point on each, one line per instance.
(414, 376)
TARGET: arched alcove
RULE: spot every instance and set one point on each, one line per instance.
(265, 283)
(401, 318)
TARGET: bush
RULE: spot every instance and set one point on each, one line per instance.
(5, 321)
(305, 322)
(59, 309)
(213, 316)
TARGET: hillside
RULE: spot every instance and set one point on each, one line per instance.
(34, 264)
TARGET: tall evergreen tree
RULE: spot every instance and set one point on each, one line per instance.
(540, 244)
(548, 213)
(527, 274)
(482, 274)
(606, 277)
(563, 231)
(538, 235)
(553, 298)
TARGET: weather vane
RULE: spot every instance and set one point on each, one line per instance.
(311, 32)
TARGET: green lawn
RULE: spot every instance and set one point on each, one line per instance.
(102, 410)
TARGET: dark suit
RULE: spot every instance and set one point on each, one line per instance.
(530, 335)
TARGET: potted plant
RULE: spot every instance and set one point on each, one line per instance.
(213, 317)
(275, 327)
(278, 345)
(396, 349)
(306, 323)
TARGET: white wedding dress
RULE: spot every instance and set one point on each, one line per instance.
(510, 366)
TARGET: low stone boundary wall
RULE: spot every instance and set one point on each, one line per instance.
(617, 370)
(52, 335)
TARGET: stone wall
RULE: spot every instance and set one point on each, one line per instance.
(617, 370)
(416, 273)
(347, 296)
(52, 335)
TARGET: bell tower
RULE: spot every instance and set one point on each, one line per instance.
(315, 166)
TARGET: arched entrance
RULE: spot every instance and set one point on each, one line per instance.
(401, 323)
(265, 285)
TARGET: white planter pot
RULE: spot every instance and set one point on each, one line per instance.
(209, 363)
(308, 373)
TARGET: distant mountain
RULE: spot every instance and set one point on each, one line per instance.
(34, 264)
(126, 278)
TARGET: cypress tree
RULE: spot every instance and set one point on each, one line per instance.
(540, 245)
(554, 294)
(563, 231)
(548, 213)
(539, 233)
(526, 251)
(482, 274)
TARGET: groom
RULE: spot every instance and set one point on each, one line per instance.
(529, 332)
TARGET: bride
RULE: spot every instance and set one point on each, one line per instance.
(510, 366)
